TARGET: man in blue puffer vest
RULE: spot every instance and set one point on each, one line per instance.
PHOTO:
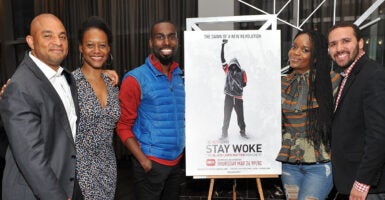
(152, 100)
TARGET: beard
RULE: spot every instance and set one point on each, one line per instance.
(347, 65)
(164, 60)
(353, 58)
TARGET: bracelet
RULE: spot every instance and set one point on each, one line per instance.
(361, 187)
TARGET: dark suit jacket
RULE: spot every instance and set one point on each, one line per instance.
(40, 160)
(3, 141)
(358, 130)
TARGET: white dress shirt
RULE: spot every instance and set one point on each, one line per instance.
(59, 82)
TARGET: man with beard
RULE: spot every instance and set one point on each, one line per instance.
(151, 125)
(358, 129)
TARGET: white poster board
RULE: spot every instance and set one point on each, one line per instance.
(258, 53)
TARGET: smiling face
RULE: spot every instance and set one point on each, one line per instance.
(95, 48)
(343, 46)
(300, 53)
(164, 42)
(48, 40)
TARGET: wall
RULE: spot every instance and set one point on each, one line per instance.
(216, 8)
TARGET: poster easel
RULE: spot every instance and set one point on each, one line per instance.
(269, 22)
(257, 177)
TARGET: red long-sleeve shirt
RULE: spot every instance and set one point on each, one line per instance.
(130, 96)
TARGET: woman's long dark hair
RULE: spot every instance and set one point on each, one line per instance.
(320, 87)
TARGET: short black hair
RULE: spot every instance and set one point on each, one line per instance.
(95, 22)
(356, 30)
(159, 22)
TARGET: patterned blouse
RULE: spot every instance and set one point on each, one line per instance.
(295, 146)
(95, 161)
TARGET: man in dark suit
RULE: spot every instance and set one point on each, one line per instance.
(39, 112)
(358, 130)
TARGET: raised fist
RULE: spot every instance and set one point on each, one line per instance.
(224, 41)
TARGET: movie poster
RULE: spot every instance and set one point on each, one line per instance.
(233, 102)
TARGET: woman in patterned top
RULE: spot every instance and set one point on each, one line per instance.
(99, 112)
(307, 108)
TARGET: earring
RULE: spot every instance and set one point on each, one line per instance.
(110, 60)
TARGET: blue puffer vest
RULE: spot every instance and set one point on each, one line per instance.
(160, 126)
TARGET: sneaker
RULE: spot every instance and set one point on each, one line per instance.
(223, 138)
(243, 134)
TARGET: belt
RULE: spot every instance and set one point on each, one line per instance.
(311, 163)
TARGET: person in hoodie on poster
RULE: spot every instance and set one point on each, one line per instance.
(236, 80)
